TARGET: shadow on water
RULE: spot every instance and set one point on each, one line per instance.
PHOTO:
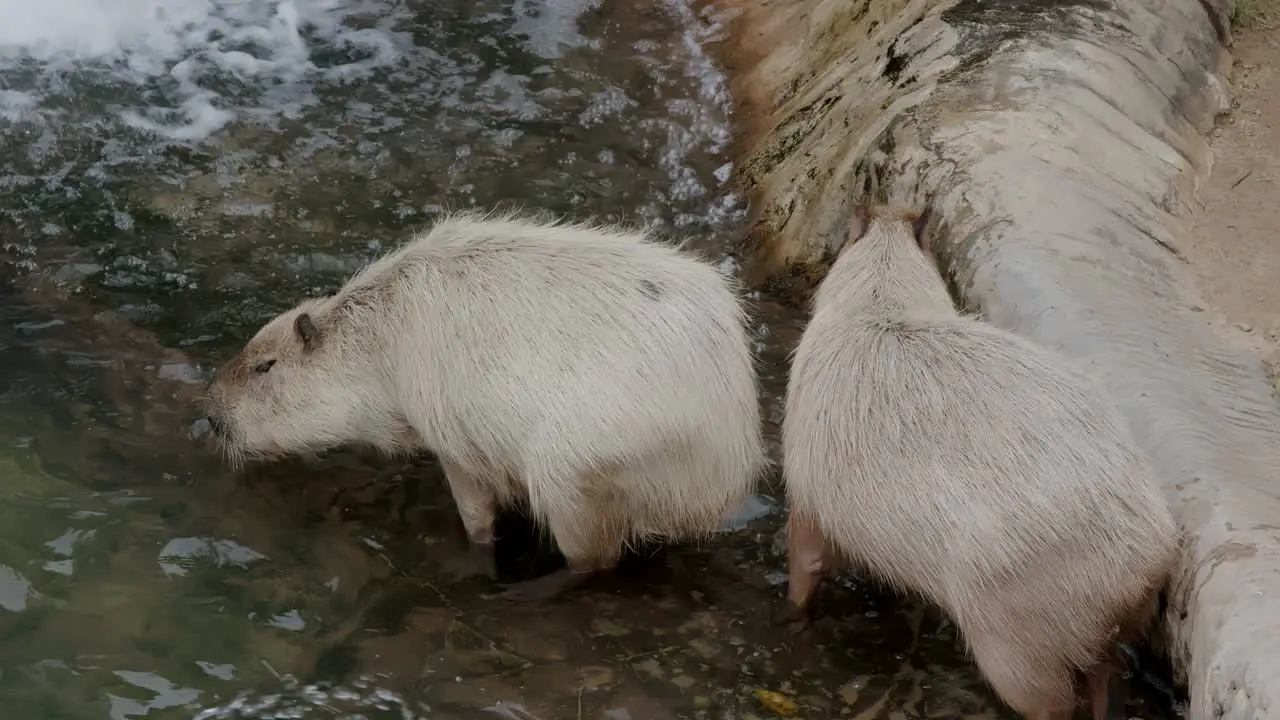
(172, 179)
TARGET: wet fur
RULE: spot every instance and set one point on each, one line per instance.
(959, 461)
(603, 378)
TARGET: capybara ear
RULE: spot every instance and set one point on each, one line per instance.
(920, 225)
(307, 330)
(861, 221)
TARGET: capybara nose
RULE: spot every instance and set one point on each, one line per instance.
(216, 423)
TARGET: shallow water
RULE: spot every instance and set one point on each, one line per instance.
(176, 171)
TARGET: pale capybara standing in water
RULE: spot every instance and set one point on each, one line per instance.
(959, 461)
(603, 377)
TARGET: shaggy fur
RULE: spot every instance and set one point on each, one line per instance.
(602, 376)
(959, 461)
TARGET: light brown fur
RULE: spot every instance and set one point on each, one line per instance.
(604, 378)
(962, 462)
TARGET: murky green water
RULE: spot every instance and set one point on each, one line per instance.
(173, 178)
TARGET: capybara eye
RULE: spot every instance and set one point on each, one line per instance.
(264, 366)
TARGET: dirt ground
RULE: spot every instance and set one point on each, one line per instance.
(1234, 246)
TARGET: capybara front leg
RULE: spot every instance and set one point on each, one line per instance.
(807, 560)
(591, 540)
(478, 506)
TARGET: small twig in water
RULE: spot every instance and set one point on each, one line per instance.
(271, 669)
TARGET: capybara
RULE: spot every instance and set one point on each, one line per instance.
(956, 460)
(600, 376)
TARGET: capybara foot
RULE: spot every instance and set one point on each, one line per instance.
(794, 618)
(477, 560)
(543, 588)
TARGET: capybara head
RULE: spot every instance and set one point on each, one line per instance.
(291, 389)
(886, 217)
(886, 266)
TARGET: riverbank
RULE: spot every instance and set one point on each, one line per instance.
(1233, 248)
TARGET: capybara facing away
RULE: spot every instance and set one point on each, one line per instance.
(602, 377)
(959, 461)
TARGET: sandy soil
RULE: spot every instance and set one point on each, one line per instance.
(1235, 233)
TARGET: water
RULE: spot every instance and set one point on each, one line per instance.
(176, 171)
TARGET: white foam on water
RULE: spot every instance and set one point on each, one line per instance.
(707, 129)
(551, 27)
(362, 698)
(201, 63)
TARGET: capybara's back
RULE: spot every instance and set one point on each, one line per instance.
(566, 350)
(960, 461)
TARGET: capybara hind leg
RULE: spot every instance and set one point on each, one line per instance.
(478, 506)
(1100, 679)
(1034, 686)
(591, 540)
(807, 562)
